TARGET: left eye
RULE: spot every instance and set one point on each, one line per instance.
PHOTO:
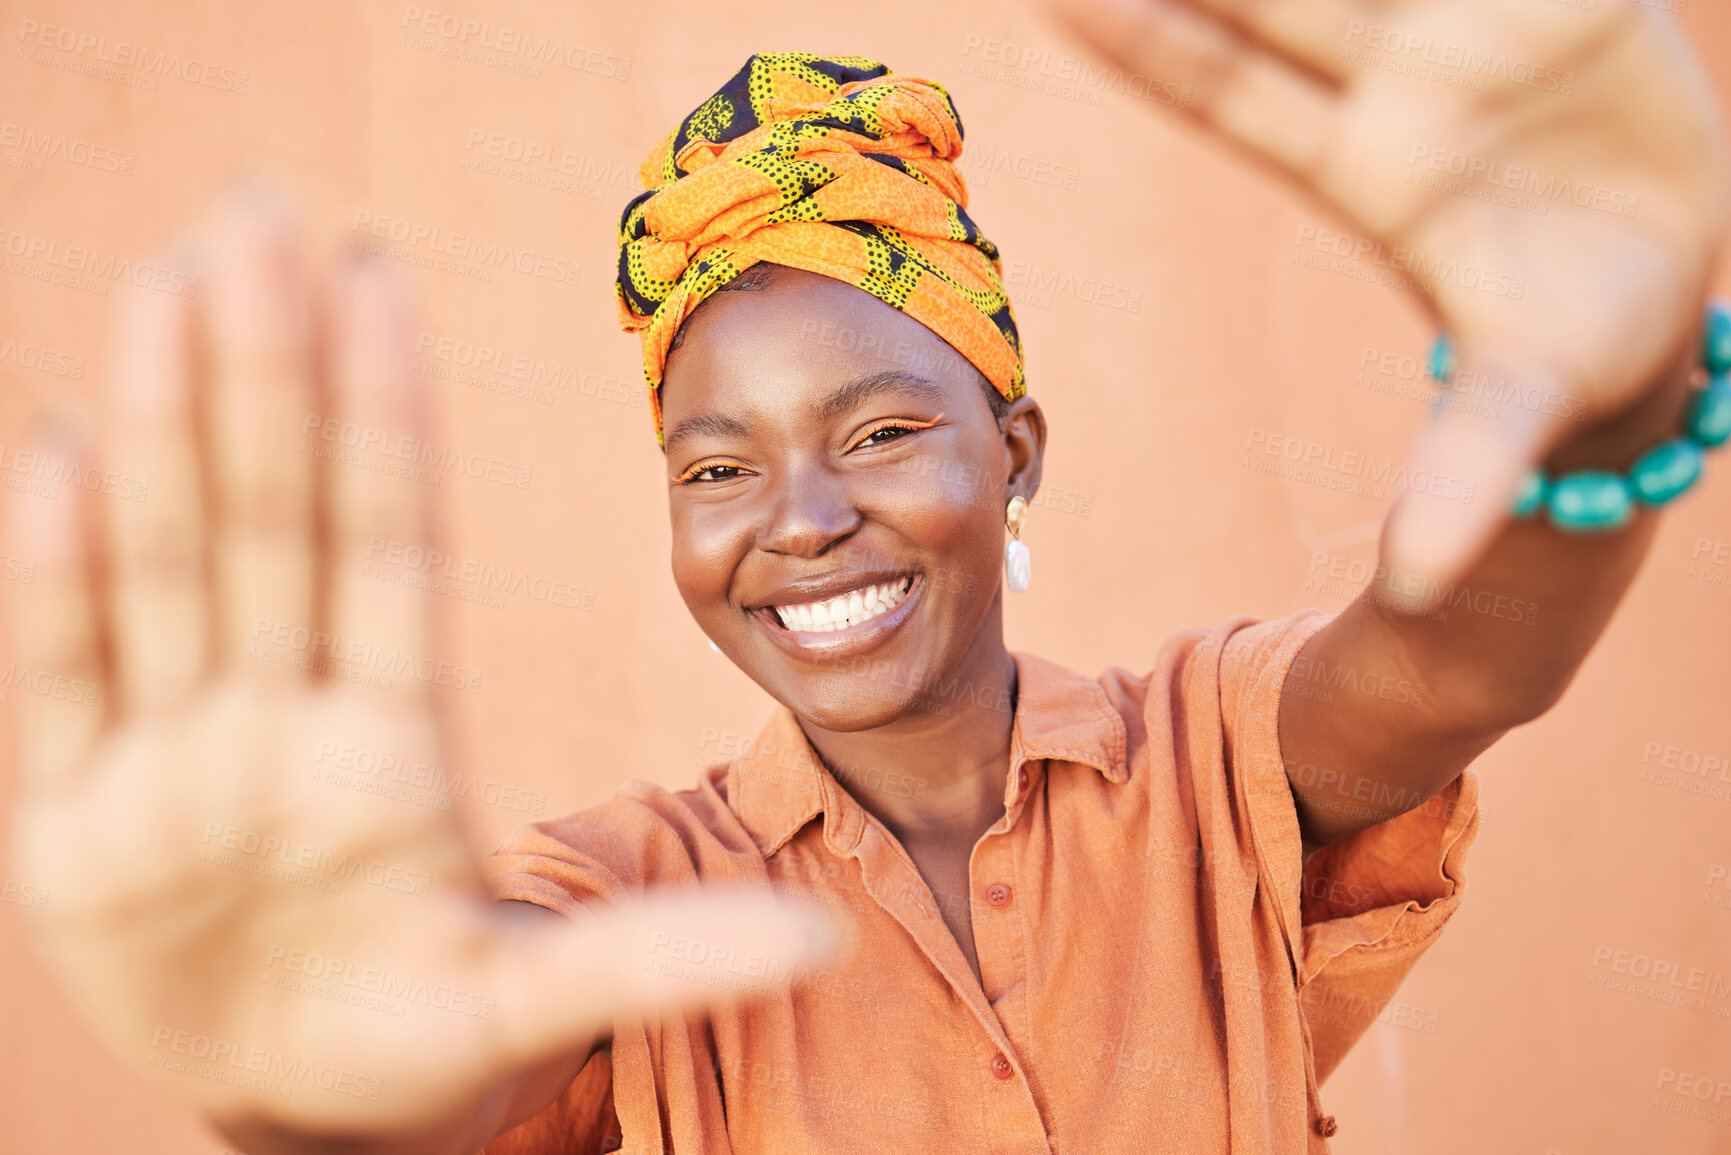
(878, 436)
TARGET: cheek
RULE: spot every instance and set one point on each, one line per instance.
(707, 545)
(951, 513)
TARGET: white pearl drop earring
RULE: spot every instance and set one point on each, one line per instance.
(1018, 565)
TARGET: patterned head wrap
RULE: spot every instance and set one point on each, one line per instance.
(834, 165)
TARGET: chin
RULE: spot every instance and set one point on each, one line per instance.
(847, 703)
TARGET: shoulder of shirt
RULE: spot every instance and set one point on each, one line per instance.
(1226, 648)
(644, 814)
(1220, 659)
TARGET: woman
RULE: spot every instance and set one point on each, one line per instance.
(1135, 912)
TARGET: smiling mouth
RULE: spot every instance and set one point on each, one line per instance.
(856, 607)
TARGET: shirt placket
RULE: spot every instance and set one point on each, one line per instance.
(1009, 1115)
(998, 910)
(997, 902)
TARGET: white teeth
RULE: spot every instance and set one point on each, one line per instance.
(839, 613)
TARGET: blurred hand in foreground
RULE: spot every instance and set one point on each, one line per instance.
(221, 911)
(1550, 178)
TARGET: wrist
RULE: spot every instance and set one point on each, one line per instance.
(1616, 442)
(1648, 453)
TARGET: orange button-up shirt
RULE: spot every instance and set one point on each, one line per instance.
(1159, 968)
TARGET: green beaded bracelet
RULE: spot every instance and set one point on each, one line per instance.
(1594, 500)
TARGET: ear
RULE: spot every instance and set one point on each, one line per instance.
(1024, 429)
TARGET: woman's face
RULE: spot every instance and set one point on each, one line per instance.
(837, 483)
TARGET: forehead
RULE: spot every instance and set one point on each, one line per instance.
(797, 336)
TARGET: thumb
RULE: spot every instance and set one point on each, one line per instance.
(1463, 473)
(665, 952)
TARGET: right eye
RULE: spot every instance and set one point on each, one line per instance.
(712, 472)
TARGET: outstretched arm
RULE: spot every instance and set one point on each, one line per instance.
(1384, 707)
(1350, 99)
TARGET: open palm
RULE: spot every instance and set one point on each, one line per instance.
(1551, 179)
(258, 937)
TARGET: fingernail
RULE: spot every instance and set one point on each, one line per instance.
(185, 254)
(259, 204)
(55, 430)
(824, 935)
(261, 194)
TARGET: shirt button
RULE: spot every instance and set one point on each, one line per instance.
(1001, 1066)
(998, 895)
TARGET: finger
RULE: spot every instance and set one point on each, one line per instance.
(376, 512)
(1462, 476)
(662, 954)
(157, 583)
(1310, 32)
(260, 399)
(1262, 101)
(56, 683)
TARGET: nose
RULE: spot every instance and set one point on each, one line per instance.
(809, 511)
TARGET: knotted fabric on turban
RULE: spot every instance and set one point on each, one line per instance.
(834, 165)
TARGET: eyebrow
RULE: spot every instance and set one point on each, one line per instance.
(847, 397)
(714, 424)
(856, 393)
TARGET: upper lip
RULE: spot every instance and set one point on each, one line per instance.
(822, 589)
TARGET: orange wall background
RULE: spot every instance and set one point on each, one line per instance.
(1151, 521)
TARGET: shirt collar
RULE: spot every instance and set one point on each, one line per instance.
(779, 784)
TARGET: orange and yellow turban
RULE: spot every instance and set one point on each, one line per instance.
(834, 165)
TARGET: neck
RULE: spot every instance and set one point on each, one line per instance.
(936, 773)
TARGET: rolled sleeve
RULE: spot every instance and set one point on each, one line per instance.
(1359, 914)
(643, 836)
(519, 871)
